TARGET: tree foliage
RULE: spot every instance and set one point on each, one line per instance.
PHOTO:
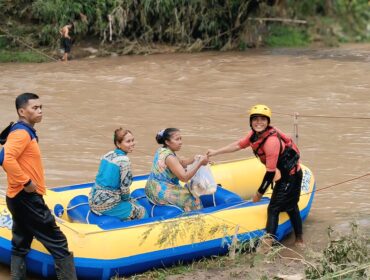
(192, 24)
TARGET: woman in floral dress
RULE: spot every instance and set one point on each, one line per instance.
(168, 169)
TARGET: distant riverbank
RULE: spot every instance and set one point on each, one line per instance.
(29, 31)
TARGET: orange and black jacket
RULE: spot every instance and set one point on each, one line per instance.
(21, 160)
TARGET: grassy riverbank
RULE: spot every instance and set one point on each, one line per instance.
(346, 256)
(21, 56)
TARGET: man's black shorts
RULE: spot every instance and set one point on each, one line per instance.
(66, 45)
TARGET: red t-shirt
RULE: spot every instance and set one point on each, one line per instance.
(268, 152)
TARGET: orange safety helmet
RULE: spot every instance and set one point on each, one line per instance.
(260, 110)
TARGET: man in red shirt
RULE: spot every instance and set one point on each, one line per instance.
(21, 160)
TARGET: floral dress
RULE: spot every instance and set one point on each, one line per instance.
(110, 194)
(163, 186)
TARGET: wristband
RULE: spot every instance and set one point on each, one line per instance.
(267, 181)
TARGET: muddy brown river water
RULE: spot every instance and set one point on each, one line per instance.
(207, 96)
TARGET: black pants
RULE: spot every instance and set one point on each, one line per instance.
(285, 197)
(66, 44)
(32, 218)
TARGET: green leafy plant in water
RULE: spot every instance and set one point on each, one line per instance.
(345, 257)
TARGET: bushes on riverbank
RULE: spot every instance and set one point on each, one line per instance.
(345, 257)
(131, 26)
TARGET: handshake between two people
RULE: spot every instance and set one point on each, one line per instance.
(205, 159)
(235, 147)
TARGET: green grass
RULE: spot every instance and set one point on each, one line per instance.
(3, 42)
(283, 36)
(21, 56)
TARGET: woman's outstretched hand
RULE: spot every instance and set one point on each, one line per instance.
(211, 152)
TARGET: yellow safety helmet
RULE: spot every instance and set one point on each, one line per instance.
(260, 110)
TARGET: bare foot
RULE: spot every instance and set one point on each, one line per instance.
(265, 246)
(299, 243)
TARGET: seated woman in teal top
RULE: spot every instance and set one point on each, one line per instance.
(110, 194)
(163, 185)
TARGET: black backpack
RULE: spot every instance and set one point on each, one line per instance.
(4, 134)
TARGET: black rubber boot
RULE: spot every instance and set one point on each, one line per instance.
(65, 268)
(17, 268)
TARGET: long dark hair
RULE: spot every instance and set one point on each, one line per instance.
(164, 135)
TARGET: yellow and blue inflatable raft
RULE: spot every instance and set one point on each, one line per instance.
(104, 247)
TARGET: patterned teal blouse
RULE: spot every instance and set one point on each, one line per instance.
(112, 183)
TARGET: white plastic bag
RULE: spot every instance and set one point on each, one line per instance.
(202, 182)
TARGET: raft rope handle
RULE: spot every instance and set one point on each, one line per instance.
(74, 206)
(87, 216)
(208, 214)
(88, 213)
(152, 212)
(154, 205)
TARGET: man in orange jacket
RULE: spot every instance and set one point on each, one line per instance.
(21, 160)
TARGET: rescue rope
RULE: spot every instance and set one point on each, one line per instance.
(340, 183)
(335, 117)
(75, 123)
(324, 116)
(283, 114)
(25, 44)
(249, 201)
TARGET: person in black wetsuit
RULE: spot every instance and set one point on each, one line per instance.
(280, 155)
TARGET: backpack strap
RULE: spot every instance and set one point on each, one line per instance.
(280, 141)
(2, 156)
(22, 125)
(4, 134)
(263, 142)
